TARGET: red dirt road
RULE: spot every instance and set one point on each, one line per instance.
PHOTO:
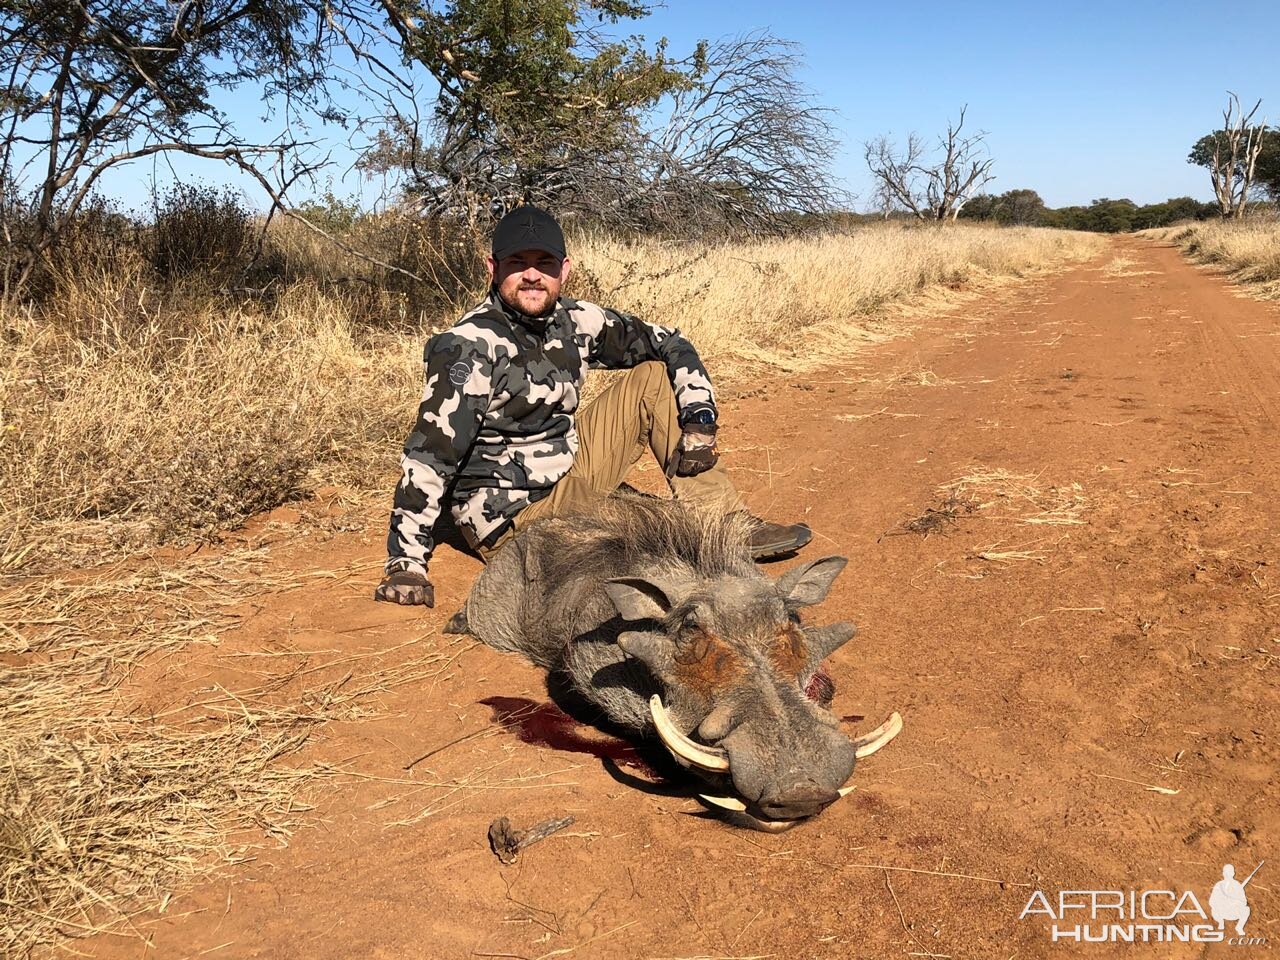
(1045, 690)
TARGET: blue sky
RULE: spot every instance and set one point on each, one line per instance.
(1079, 100)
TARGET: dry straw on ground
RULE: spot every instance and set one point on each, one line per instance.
(999, 494)
(108, 804)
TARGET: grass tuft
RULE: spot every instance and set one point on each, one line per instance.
(1248, 250)
(109, 803)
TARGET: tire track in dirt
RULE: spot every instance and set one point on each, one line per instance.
(1240, 351)
(1040, 694)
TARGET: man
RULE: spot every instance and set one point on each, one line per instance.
(498, 432)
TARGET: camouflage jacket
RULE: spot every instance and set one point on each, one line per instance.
(495, 429)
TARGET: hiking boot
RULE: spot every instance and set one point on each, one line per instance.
(769, 540)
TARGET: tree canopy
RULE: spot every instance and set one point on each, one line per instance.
(92, 84)
(1025, 208)
(1266, 173)
(1022, 208)
(537, 103)
(529, 90)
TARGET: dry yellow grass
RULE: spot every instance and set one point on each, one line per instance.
(154, 423)
(807, 302)
(1249, 250)
(109, 805)
(159, 413)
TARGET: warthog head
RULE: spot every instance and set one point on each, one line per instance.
(736, 666)
(656, 615)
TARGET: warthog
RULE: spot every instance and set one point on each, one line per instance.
(655, 614)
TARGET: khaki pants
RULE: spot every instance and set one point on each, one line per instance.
(636, 412)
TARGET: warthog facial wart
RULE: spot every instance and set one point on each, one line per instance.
(655, 614)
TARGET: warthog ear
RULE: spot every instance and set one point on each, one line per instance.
(638, 599)
(809, 583)
(824, 641)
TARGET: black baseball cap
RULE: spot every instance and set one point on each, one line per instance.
(527, 228)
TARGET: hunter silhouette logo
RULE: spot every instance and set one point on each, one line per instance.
(1228, 902)
(1149, 916)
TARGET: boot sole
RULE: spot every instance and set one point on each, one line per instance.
(780, 548)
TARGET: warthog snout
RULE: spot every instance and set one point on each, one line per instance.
(798, 800)
(790, 763)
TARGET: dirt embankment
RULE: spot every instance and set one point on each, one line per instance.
(1081, 637)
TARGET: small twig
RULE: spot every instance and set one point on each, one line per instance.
(445, 746)
(882, 412)
(881, 866)
(1150, 786)
(1041, 616)
(906, 929)
(599, 936)
(734, 942)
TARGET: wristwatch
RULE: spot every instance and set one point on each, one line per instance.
(704, 416)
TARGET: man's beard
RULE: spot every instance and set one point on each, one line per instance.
(544, 299)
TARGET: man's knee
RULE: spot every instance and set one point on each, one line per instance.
(649, 378)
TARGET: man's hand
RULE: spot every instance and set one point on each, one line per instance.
(697, 449)
(407, 587)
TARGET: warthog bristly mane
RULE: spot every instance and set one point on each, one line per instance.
(634, 531)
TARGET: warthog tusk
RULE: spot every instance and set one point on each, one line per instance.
(868, 744)
(733, 803)
(772, 826)
(681, 747)
(724, 803)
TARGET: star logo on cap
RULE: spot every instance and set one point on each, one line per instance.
(530, 227)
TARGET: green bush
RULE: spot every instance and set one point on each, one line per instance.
(330, 212)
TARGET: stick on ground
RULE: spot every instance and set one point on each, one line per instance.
(507, 843)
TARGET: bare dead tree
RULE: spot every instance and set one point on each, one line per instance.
(746, 145)
(1235, 157)
(884, 203)
(932, 185)
(896, 177)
